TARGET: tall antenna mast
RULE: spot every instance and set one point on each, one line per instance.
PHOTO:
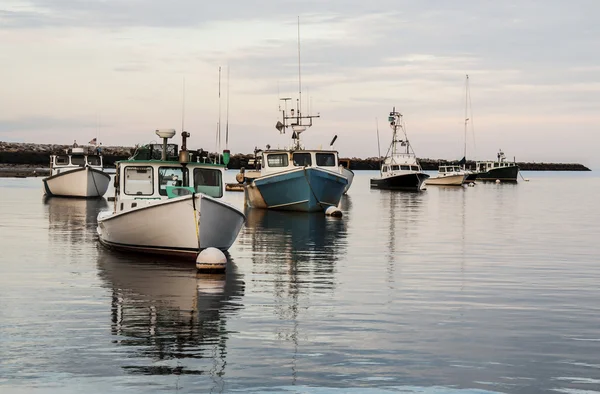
(183, 106)
(466, 113)
(299, 74)
(227, 115)
(219, 124)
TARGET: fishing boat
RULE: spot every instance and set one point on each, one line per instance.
(500, 169)
(448, 176)
(347, 172)
(170, 205)
(295, 179)
(77, 173)
(400, 169)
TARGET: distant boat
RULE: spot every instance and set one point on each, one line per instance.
(501, 169)
(400, 169)
(451, 175)
(169, 206)
(77, 173)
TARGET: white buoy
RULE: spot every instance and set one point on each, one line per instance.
(497, 180)
(472, 184)
(211, 259)
(333, 211)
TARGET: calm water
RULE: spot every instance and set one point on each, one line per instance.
(494, 288)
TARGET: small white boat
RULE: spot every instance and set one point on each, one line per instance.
(76, 174)
(448, 176)
(169, 206)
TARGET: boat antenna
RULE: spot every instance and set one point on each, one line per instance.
(378, 146)
(219, 124)
(183, 106)
(471, 113)
(466, 114)
(227, 113)
(299, 73)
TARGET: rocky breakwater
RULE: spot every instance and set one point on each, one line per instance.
(18, 159)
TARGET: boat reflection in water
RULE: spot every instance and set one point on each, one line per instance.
(73, 220)
(168, 318)
(306, 243)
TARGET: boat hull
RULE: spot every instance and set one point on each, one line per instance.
(305, 189)
(471, 177)
(504, 174)
(405, 182)
(349, 174)
(169, 227)
(450, 180)
(84, 182)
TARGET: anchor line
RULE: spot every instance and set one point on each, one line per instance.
(196, 219)
(311, 189)
(94, 179)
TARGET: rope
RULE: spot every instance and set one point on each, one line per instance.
(94, 179)
(311, 189)
(196, 219)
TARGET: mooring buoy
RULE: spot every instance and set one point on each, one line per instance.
(333, 211)
(211, 259)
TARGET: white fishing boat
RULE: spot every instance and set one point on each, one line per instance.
(400, 169)
(77, 173)
(448, 176)
(170, 205)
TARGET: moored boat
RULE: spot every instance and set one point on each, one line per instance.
(501, 170)
(400, 169)
(448, 176)
(169, 206)
(77, 173)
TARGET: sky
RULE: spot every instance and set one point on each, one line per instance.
(120, 69)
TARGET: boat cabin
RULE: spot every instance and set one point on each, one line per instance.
(449, 170)
(139, 182)
(400, 163)
(281, 160)
(485, 166)
(73, 159)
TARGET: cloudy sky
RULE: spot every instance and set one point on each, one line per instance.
(115, 69)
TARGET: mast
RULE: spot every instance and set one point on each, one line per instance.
(295, 118)
(227, 115)
(466, 118)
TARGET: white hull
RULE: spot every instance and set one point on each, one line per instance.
(349, 174)
(83, 182)
(169, 226)
(450, 180)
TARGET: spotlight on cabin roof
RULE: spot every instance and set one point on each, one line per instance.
(165, 133)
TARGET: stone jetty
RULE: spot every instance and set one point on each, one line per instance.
(28, 159)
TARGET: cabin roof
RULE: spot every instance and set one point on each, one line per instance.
(299, 151)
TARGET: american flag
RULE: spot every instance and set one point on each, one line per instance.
(92, 142)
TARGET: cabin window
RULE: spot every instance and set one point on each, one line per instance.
(61, 160)
(414, 168)
(405, 168)
(208, 181)
(395, 168)
(325, 159)
(278, 160)
(169, 176)
(442, 169)
(93, 160)
(302, 159)
(78, 160)
(139, 181)
(384, 169)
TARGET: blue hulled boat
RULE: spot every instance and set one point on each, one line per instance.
(302, 180)
(295, 179)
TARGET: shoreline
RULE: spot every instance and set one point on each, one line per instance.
(25, 159)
